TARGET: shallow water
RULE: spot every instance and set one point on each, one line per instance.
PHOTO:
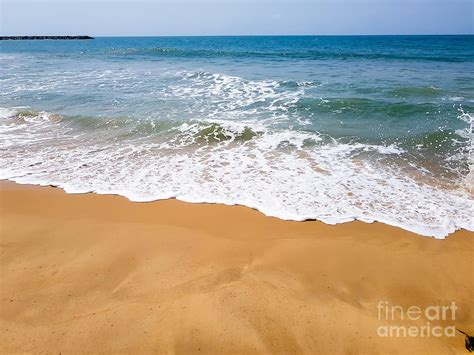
(328, 128)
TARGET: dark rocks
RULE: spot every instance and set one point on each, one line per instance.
(24, 38)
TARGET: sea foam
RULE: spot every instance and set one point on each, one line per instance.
(289, 174)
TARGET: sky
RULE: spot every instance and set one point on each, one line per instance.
(235, 17)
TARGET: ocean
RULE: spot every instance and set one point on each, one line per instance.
(329, 128)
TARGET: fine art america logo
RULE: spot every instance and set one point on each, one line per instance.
(422, 318)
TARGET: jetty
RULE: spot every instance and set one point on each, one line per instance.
(28, 38)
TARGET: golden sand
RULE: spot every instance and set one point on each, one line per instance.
(90, 273)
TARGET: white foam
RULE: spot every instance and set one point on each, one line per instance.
(217, 95)
(7, 112)
(468, 149)
(276, 172)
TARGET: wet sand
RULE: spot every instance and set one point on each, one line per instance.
(96, 273)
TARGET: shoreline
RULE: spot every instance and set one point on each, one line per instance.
(343, 220)
(103, 274)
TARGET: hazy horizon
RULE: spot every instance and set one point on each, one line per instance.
(146, 18)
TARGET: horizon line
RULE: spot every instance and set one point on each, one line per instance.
(250, 35)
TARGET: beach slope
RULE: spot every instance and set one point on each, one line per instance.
(92, 273)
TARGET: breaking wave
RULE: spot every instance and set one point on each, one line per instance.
(281, 54)
(290, 174)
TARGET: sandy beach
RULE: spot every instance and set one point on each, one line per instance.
(98, 273)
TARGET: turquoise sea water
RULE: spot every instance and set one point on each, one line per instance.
(301, 127)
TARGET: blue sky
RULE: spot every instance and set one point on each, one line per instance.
(235, 17)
